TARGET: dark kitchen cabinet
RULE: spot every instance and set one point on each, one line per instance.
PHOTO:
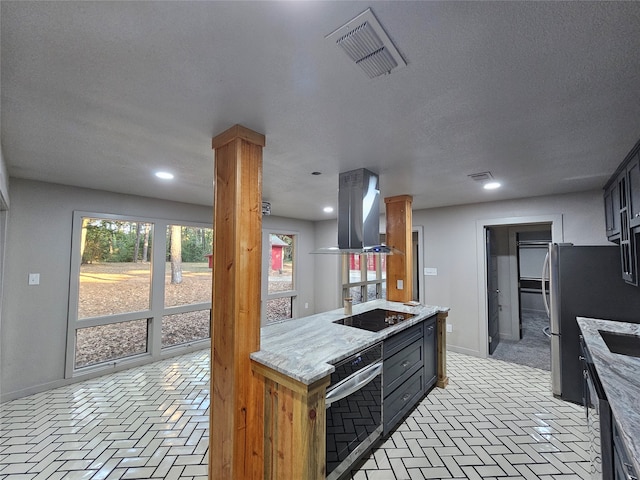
(622, 467)
(402, 375)
(627, 243)
(633, 181)
(612, 211)
(409, 371)
(430, 354)
(622, 212)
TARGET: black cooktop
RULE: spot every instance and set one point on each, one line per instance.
(375, 320)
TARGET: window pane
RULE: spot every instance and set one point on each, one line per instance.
(279, 309)
(115, 273)
(356, 294)
(372, 264)
(185, 327)
(110, 342)
(188, 276)
(281, 258)
(355, 274)
(372, 292)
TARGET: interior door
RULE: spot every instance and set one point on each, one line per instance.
(492, 290)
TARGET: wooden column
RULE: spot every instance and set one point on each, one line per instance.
(441, 324)
(236, 447)
(295, 427)
(399, 236)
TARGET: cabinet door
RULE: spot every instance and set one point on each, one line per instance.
(633, 180)
(612, 211)
(430, 347)
(627, 244)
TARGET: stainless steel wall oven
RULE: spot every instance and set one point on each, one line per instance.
(354, 410)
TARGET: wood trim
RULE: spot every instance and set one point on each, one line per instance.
(399, 229)
(285, 380)
(236, 426)
(295, 427)
(441, 323)
(238, 132)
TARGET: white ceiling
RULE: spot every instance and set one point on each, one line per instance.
(545, 95)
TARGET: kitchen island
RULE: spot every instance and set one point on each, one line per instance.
(620, 379)
(296, 359)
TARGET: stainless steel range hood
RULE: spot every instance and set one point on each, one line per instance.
(358, 214)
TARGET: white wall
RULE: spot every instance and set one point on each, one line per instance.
(327, 268)
(451, 245)
(451, 241)
(34, 318)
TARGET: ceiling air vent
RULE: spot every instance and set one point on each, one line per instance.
(481, 177)
(365, 42)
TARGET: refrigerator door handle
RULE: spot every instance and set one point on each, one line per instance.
(545, 274)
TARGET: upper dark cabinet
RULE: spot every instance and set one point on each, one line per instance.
(612, 211)
(633, 184)
(622, 212)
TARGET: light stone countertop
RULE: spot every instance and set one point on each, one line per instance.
(305, 348)
(620, 378)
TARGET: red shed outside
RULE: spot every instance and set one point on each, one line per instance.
(277, 257)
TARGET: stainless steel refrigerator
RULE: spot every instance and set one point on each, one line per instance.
(583, 281)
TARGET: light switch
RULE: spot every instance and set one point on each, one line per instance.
(34, 279)
(449, 328)
(399, 284)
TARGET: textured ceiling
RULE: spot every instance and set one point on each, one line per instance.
(545, 95)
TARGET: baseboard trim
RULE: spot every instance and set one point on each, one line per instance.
(464, 351)
(100, 372)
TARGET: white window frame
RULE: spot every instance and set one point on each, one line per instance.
(266, 257)
(363, 284)
(153, 315)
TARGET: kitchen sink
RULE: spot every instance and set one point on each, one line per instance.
(622, 343)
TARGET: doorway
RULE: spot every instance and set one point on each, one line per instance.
(513, 312)
(507, 297)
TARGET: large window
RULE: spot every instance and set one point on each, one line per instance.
(115, 272)
(187, 282)
(364, 277)
(134, 292)
(279, 292)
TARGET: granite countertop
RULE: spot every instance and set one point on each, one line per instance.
(305, 348)
(619, 377)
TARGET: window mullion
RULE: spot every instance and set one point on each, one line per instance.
(158, 267)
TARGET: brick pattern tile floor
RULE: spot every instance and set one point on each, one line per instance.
(494, 420)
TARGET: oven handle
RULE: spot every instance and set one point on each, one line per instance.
(353, 383)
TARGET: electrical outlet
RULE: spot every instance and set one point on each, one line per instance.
(34, 279)
(306, 304)
(400, 284)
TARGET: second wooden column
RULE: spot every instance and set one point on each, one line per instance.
(236, 446)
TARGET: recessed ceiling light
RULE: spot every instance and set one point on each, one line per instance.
(164, 175)
(328, 209)
(491, 185)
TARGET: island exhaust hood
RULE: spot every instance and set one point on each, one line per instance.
(358, 214)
